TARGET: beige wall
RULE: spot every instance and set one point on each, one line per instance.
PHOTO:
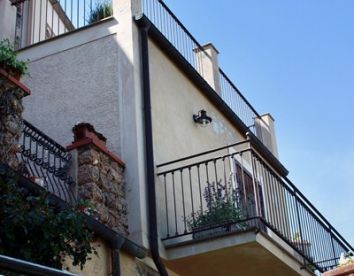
(100, 264)
(174, 101)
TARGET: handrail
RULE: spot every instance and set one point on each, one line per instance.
(20, 266)
(277, 205)
(46, 162)
(47, 141)
(52, 18)
(186, 44)
(201, 153)
(240, 94)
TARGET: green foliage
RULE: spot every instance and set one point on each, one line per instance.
(102, 10)
(221, 207)
(8, 58)
(34, 229)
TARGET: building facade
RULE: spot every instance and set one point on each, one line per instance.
(206, 193)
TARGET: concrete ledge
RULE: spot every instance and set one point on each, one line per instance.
(69, 40)
(247, 252)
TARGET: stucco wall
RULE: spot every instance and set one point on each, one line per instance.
(80, 83)
(174, 101)
(7, 20)
(93, 75)
(99, 264)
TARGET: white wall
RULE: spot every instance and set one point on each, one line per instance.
(76, 80)
(7, 20)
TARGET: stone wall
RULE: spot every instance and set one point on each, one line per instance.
(100, 177)
(11, 123)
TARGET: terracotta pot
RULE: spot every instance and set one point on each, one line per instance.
(347, 270)
(11, 71)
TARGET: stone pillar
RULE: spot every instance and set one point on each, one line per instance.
(11, 123)
(208, 65)
(266, 132)
(100, 177)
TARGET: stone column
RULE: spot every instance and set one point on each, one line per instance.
(11, 122)
(100, 177)
(208, 65)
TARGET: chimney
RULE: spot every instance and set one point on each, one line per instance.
(265, 129)
(208, 65)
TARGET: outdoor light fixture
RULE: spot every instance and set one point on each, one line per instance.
(202, 118)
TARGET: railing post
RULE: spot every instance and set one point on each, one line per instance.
(333, 250)
(300, 228)
(254, 175)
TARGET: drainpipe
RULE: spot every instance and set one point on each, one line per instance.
(144, 27)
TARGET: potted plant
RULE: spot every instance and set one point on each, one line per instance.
(9, 62)
(222, 214)
(345, 266)
(102, 10)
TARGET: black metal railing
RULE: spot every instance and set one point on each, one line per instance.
(186, 44)
(233, 189)
(46, 163)
(39, 20)
(13, 266)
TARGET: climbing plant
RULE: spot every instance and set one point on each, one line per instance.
(35, 229)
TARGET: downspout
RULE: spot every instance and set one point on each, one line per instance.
(144, 27)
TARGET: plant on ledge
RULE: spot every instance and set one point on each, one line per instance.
(346, 259)
(221, 209)
(36, 230)
(9, 61)
(102, 10)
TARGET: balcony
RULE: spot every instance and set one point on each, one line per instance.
(229, 201)
(46, 163)
(40, 20)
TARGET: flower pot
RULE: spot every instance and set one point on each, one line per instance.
(213, 230)
(11, 71)
(346, 270)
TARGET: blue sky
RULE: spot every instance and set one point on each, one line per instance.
(294, 59)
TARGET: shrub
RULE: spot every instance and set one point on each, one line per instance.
(101, 11)
(8, 58)
(36, 230)
(221, 207)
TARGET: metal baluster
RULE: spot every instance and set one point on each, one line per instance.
(166, 207)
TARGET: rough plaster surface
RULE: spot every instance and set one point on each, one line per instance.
(79, 84)
(7, 20)
(100, 264)
(174, 101)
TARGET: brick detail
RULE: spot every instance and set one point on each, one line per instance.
(100, 177)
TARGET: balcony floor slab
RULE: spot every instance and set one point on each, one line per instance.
(246, 253)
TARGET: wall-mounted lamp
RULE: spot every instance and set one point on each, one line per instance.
(202, 118)
(16, 2)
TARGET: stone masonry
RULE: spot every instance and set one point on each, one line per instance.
(100, 177)
(11, 123)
